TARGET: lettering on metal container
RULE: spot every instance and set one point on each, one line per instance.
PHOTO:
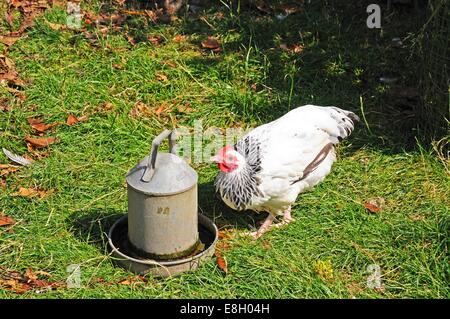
(163, 210)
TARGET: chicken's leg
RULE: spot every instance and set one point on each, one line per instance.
(287, 218)
(264, 227)
(268, 223)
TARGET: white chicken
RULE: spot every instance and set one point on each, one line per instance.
(269, 166)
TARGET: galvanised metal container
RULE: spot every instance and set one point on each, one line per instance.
(162, 204)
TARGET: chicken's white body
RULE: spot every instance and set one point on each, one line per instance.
(284, 158)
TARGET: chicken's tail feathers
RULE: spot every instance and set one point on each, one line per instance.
(345, 120)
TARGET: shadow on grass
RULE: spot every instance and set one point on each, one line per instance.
(92, 226)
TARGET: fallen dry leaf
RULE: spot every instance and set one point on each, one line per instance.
(103, 108)
(161, 108)
(125, 282)
(8, 40)
(371, 207)
(290, 8)
(15, 285)
(20, 283)
(6, 220)
(296, 48)
(222, 263)
(132, 280)
(32, 192)
(39, 142)
(262, 6)
(39, 126)
(185, 108)
(43, 273)
(375, 205)
(211, 44)
(27, 22)
(29, 276)
(12, 77)
(139, 110)
(130, 39)
(6, 64)
(161, 77)
(179, 38)
(71, 119)
(169, 63)
(19, 94)
(154, 39)
(6, 169)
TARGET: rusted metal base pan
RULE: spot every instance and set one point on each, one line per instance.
(125, 257)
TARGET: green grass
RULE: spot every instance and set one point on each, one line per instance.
(340, 62)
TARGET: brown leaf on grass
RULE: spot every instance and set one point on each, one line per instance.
(104, 108)
(290, 8)
(20, 283)
(154, 15)
(19, 94)
(262, 5)
(371, 207)
(3, 183)
(29, 276)
(130, 39)
(222, 263)
(295, 48)
(43, 273)
(125, 282)
(72, 119)
(9, 17)
(225, 234)
(375, 205)
(6, 64)
(27, 22)
(164, 106)
(211, 44)
(32, 192)
(120, 2)
(6, 220)
(39, 142)
(161, 77)
(169, 63)
(185, 108)
(140, 110)
(39, 126)
(12, 77)
(6, 169)
(154, 39)
(179, 38)
(4, 105)
(132, 280)
(14, 285)
(8, 40)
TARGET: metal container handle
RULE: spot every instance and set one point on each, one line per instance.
(150, 169)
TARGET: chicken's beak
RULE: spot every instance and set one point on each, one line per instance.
(215, 159)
